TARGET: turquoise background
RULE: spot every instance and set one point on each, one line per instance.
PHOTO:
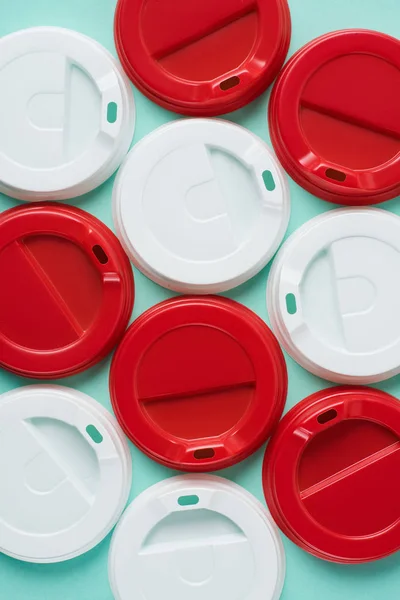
(308, 578)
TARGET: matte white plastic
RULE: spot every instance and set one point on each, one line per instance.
(65, 469)
(58, 136)
(191, 207)
(342, 271)
(196, 537)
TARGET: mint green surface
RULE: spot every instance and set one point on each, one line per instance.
(308, 578)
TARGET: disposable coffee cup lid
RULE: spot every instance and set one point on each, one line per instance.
(67, 469)
(334, 117)
(201, 205)
(330, 474)
(67, 290)
(198, 384)
(212, 58)
(332, 295)
(67, 114)
(197, 537)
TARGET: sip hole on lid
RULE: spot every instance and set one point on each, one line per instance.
(100, 254)
(204, 453)
(188, 500)
(94, 434)
(112, 112)
(229, 83)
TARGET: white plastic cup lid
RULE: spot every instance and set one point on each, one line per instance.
(201, 205)
(196, 537)
(67, 111)
(333, 295)
(67, 473)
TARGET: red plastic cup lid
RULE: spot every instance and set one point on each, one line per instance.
(67, 290)
(211, 58)
(330, 474)
(198, 383)
(334, 117)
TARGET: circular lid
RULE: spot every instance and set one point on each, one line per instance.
(68, 472)
(214, 57)
(333, 295)
(67, 117)
(334, 117)
(74, 292)
(201, 533)
(331, 474)
(201, 205)
(198, 383)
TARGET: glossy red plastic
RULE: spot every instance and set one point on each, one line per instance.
(334, 117)
(67, 290)
(198, 384)
(330, 474)
(202, 57)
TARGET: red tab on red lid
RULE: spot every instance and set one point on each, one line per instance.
(330, 474)
(70, 302)
(198, 383)
(212, 58)
(334, 117)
